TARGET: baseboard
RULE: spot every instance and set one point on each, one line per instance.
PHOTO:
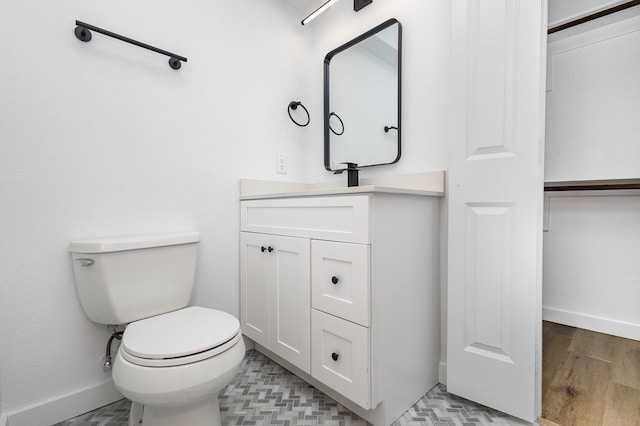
(594, 323)
(545, 422)
(442, 373)
(64, 407)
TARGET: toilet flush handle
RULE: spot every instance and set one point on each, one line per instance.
(85, 261)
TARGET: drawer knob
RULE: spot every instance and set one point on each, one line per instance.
(334, 279)
(334, 356)
(270, 249)
(263, 248)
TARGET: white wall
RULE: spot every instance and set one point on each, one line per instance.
(591, 268)
(103, 138)
(593, 101)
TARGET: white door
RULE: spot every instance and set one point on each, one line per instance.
(495, 191)
(290, 295)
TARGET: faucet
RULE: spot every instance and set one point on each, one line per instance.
(352, 173)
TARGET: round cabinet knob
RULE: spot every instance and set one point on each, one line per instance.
(334, 356)
(270, 249)
(262, 248)
(335, 279)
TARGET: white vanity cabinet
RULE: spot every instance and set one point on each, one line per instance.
(348, 296)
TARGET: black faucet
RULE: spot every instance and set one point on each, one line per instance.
(352, 173)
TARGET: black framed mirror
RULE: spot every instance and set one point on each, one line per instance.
(362, 92)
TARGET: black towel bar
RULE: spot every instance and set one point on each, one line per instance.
(83, 33)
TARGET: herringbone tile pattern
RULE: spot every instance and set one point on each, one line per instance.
(440, 408)
(264, 393)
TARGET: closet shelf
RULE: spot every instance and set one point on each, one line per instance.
(596, 15)
(592, 185)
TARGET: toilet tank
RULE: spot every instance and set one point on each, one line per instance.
(120, 280)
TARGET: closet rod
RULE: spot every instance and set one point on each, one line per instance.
(592, 186)
(593, 16)
(83, 33)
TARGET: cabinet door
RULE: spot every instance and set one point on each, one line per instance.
(255, 272)
(290, 302)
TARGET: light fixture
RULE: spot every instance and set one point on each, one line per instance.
(318, 11)
(357, 5)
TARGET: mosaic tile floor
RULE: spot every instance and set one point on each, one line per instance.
(264, 393)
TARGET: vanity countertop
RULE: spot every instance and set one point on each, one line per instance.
(424, 184)
(343, 191)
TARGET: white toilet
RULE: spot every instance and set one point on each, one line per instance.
(173, 360)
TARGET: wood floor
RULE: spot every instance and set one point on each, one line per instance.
(589, 378)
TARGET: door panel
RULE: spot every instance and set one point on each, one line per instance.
(487, 309)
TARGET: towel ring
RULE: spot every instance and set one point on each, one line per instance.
(341, 123)
(293, 105)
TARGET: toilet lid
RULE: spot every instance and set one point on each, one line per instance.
(180, 333)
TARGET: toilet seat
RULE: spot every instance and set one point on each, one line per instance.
(180, 337)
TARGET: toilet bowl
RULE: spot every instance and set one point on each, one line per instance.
(173, 360)
(174, 365)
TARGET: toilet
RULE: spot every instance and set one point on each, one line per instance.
(174, 359)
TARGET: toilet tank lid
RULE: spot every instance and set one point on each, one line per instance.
(110, 244)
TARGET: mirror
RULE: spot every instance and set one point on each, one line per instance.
(362, 99)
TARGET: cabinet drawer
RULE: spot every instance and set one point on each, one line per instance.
(340, 356)
(329, 218)
(340, 280)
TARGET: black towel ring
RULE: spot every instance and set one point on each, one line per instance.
(341, 123)
(293, 105)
